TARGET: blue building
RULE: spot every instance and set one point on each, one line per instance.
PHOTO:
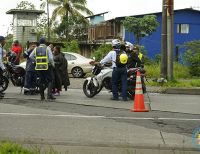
(186, 28)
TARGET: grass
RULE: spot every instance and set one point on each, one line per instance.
(7, 147)
(182, 77)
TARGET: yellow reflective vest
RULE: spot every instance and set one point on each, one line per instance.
(41, 58)
(140, 56)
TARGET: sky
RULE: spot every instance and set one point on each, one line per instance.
(115, 8)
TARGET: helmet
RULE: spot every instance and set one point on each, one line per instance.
(115, 42)
(2, 38)
(123, 58)
(129, 45)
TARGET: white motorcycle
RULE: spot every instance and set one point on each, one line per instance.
(102, 79)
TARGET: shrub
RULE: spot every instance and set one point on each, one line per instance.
(71, 46)
(192, 57)
(102, 51)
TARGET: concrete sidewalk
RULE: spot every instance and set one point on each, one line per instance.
(183, 104)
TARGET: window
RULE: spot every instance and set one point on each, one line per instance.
(183, 28)
(70, 57)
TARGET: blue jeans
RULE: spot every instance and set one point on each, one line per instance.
(119, 75)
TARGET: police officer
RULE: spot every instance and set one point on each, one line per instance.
(119, 72)
(2, 67)
(133, 58)
(44, 65)
(136, 50)
(31, 74)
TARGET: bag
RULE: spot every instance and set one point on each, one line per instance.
(121, 58)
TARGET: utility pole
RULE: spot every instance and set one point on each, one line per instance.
(164, 41)
(167, 39)
(170, 38)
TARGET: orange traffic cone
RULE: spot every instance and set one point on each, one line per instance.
(139, 96)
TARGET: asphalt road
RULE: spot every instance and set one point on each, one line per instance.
(77, 124)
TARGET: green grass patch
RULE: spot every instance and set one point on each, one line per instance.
(176, 83)
(14, 148)
(180, 71)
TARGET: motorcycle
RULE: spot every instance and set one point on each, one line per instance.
(102, 79)
(3, 83)
(16, 74)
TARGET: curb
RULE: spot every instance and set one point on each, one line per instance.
(187, 91)
(175, 90)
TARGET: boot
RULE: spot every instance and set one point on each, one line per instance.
(49, 92)
(41, 89)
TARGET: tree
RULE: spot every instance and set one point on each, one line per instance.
(42, 26)
(76, 27)
(67, 8)
(25, 5)
(141, 27)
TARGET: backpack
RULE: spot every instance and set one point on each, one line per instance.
(118, 62)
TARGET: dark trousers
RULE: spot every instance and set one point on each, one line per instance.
(119, 75)
(1, 77)
(46, 80)
(30, 79)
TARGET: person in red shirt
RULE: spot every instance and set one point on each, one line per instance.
(17, 49)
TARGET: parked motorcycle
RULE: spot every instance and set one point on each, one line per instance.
(3, 83)
(16, 74)
(102, 79)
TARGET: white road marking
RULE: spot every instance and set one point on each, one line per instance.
(84, 116)
(49, 115)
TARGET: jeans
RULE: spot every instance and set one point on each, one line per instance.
(119, 75)
(30, 80)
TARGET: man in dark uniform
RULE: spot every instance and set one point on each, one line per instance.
(44, 66)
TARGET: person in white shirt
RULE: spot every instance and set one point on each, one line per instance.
(119, 72)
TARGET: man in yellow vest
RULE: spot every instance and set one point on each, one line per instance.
(140, 55)
(44, 64)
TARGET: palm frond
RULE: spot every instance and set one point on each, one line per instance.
(82, 8)
(82, 2)
(56, 12)
(55, 2)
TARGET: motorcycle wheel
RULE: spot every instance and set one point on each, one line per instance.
(89, 89)
(4, 84)
(131, 94)
(98, 90)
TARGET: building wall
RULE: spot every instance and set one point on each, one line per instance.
(24, 27)
(152, 43)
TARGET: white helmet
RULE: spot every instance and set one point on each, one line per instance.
(115, 42)
(130, 45)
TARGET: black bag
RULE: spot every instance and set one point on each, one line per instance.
(118, 63)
